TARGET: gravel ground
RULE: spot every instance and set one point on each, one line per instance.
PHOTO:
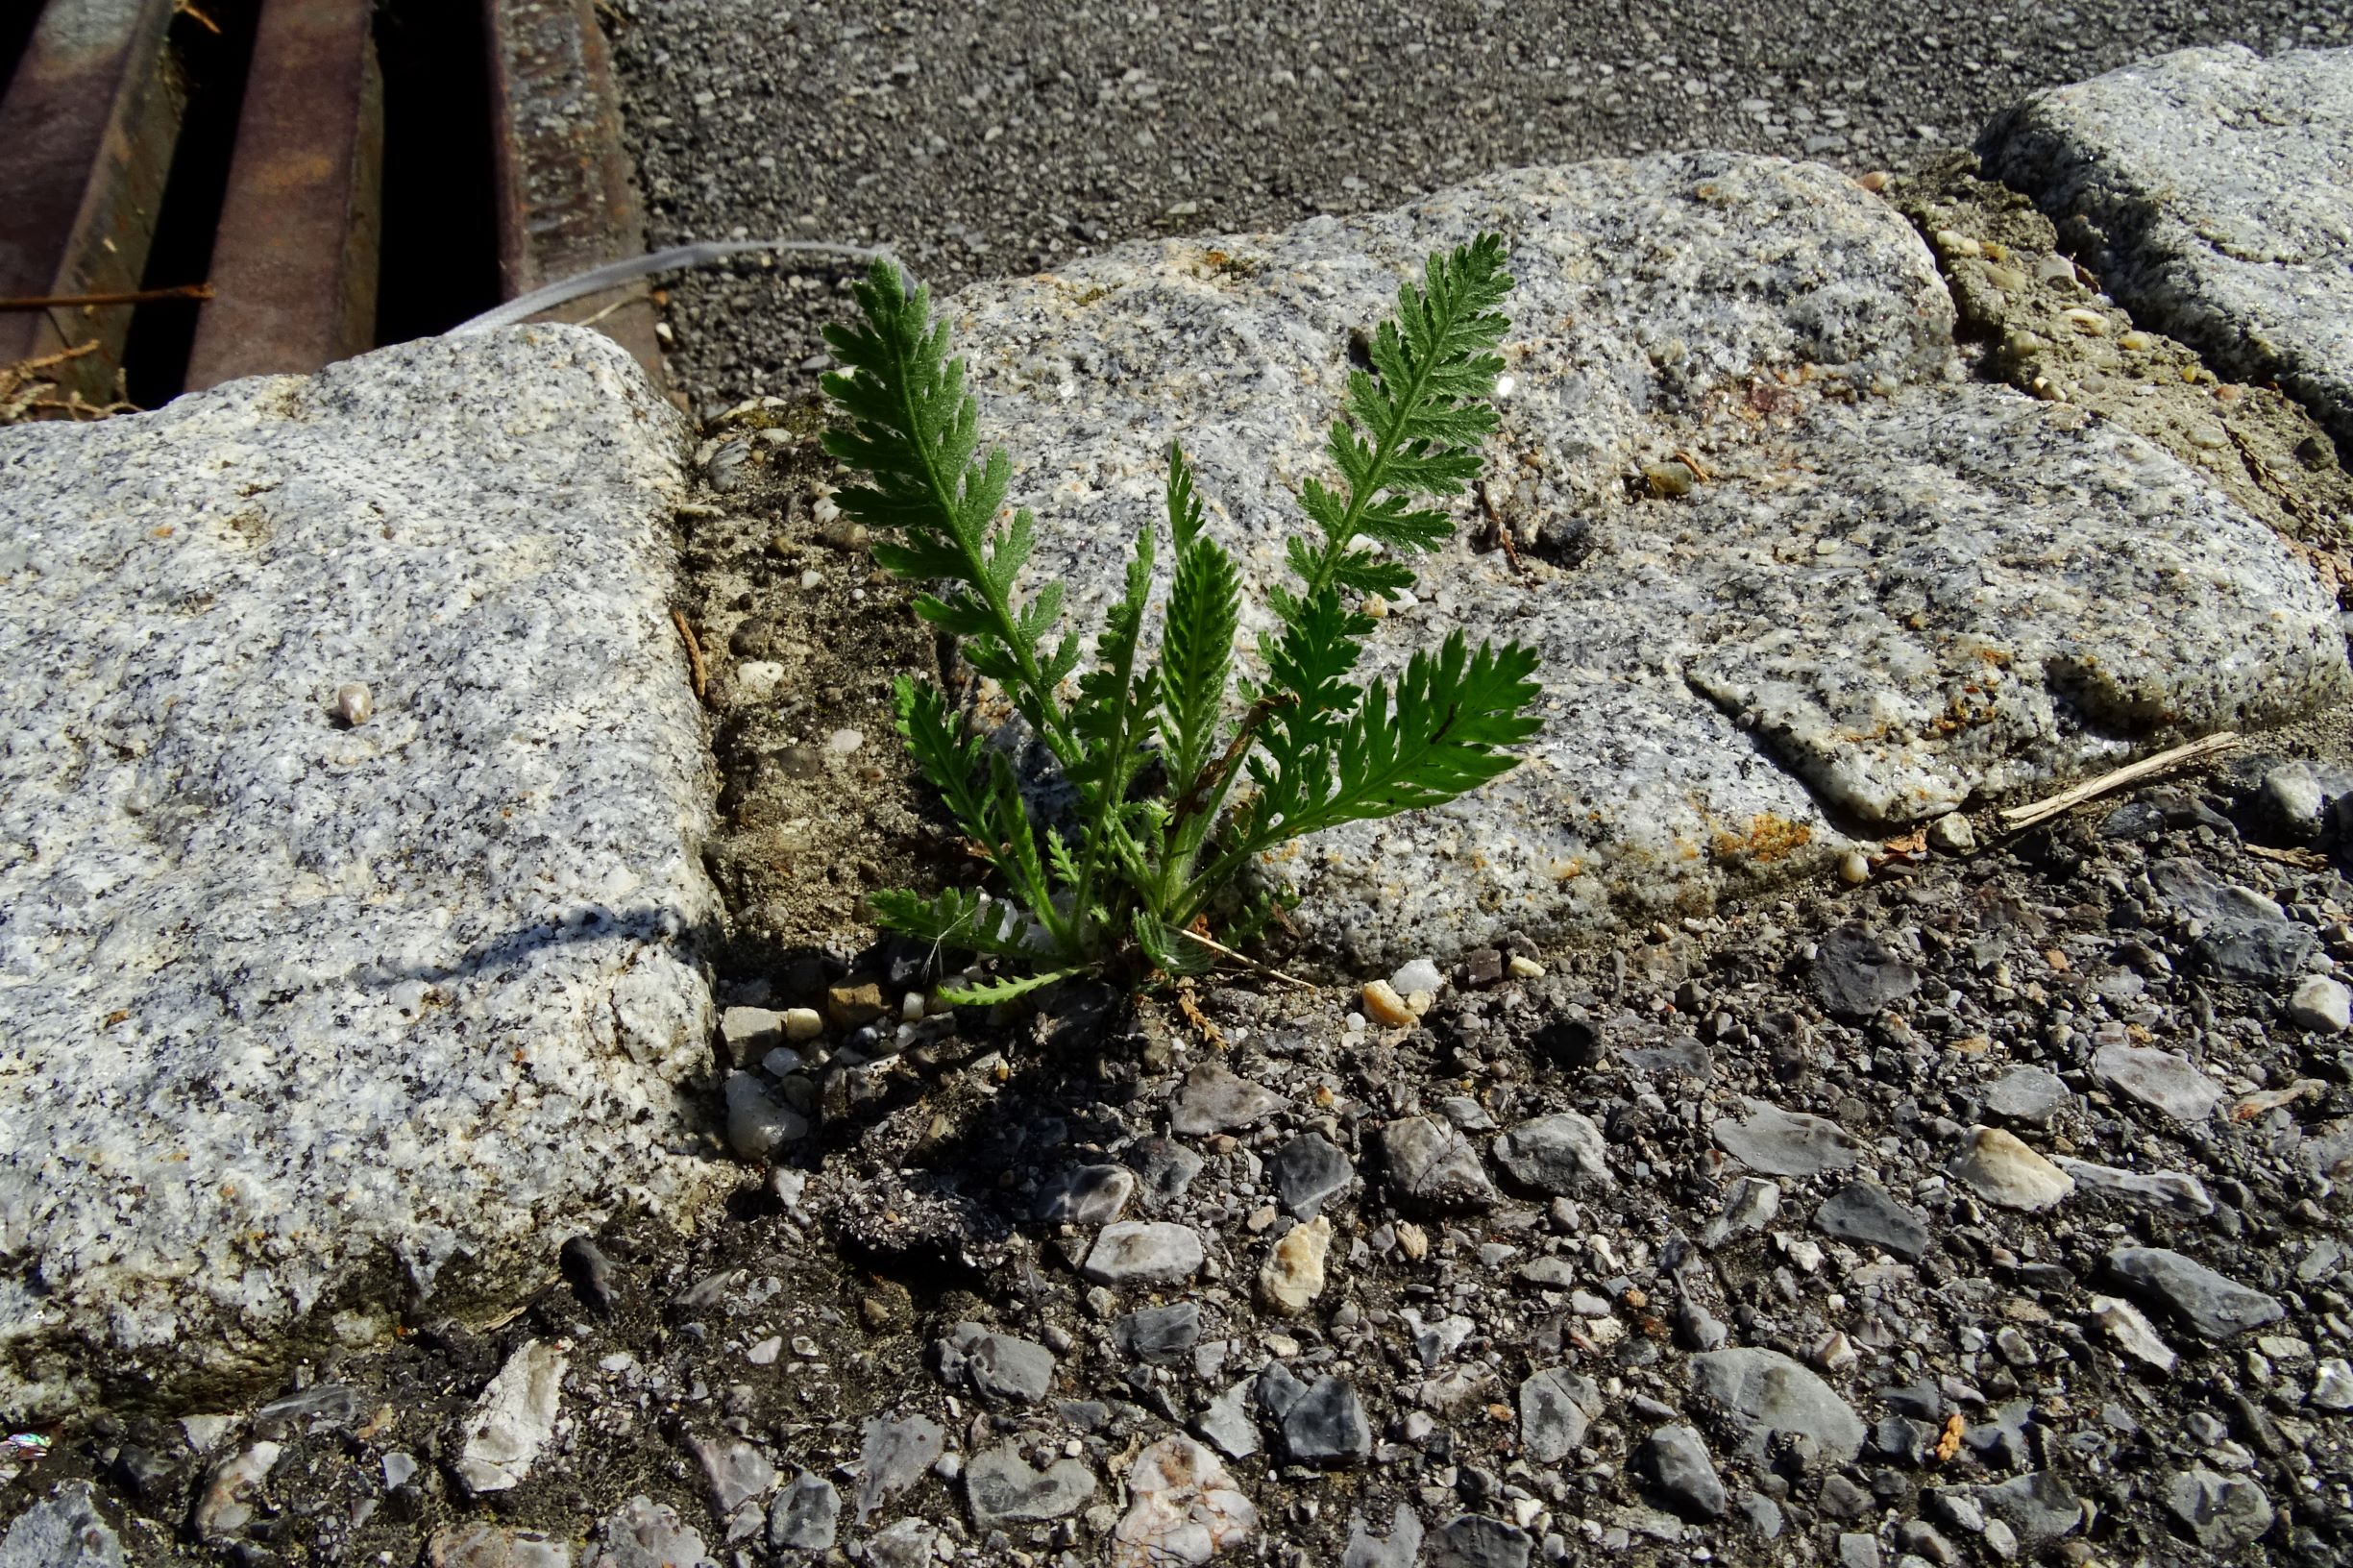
(1992, 1211)
(981, 141)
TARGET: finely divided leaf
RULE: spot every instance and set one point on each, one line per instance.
(1414, 426)
(947, 752)
(1197, 649)
(1183, 506)
(990, 992)
(960, 918)
(1114, 703)
(1438, 732)
(1017, 845)
(1169, 952)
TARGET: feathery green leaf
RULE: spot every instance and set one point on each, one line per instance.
(1150, 849)
(946, 751)
(990, 992)
(1205, 607)
(959, 918)
(1437, 732)
(1169, 950)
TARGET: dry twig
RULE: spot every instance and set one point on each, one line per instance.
(1500, 528)
(136, 296)
(24, 390)
(2195, 751)
(2303, 860)
(1248, 963)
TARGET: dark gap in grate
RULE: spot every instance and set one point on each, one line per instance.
(440, 204)
(16, 24)
(212, 65)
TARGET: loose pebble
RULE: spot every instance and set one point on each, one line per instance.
(1294, 1275)
(1384, 1006)
(2321, 1004)
(2006, 1171)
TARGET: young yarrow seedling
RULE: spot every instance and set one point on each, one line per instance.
(1174, 793)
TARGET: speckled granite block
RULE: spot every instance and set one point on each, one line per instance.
(2212, 191)
(1960, 593)
(1894, 591)
(298, 1025)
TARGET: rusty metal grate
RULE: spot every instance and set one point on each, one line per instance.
(258, 146)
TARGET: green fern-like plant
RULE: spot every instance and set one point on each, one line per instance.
(1149, 851)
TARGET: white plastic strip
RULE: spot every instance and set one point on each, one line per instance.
(698, 255)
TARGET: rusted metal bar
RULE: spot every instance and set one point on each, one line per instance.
(294, 266)
(87, 133)
(567, 195)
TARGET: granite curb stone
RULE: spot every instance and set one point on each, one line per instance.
(2212, 192)
(1896, 591)
(306, 1022)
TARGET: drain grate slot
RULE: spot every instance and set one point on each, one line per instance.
(88, 126)
(440, 229)
(340, 173)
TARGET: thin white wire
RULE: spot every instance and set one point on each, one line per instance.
(698, 255)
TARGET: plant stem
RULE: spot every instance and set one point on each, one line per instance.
(1206, 797)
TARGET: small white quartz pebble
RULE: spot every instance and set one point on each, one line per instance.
(1953, 834)
(1419, 975)
(802, 1023)
(843, 742)
(355, 704)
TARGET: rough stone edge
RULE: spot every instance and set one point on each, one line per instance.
(59, 1369)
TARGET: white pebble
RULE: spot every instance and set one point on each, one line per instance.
(1419, 975)
(1524, 969)
(802, 1023)
(911, 1007)
(2322, 1004)
(354, 704)
(759, 678)
(1853, 868)
(843, 742)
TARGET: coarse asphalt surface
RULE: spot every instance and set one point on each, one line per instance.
(987, 140)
